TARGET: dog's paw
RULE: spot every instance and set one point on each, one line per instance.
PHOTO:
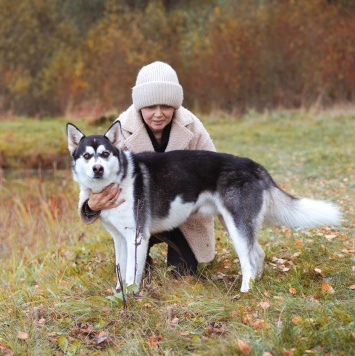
(127, 289)
(247, 285)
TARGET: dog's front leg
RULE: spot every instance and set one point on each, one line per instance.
(121, 260)
(137, 248)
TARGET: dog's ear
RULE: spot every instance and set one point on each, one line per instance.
(74, 137)
(114, 134)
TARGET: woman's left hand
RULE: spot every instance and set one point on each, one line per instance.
(106, 199)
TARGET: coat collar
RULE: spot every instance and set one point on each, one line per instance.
(138, 139)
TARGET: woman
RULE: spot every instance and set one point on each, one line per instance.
(157, 122)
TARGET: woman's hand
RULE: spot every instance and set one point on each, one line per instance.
(106, 199)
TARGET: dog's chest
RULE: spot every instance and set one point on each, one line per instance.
(122, 217)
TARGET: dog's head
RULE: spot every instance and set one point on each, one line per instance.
(95, 157)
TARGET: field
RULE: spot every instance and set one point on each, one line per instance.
(57, 275)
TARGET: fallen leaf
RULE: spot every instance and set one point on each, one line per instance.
(101, 337)
(282, 268)
(196, 339)
(296, 319)
(299, 243)
(22, 335)
(63, 343)
(295, 255)
(287, 232)
(247, 318)
(279, 298)
(279, 261)
(5, 350)
(352, 287)
(327, 288)
(8, 352)
(215, 328)
(292, 290)
(287, 353)
(154, 340)
(259, 324)
(86, 329)
(175, 321)
(244, 347)
(3, 345)
(265, 304)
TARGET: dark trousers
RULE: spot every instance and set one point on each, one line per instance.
(180, 255)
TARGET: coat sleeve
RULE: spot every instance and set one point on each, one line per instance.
(85, 219)
(84, 197)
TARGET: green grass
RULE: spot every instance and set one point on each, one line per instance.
(43, 142)
(56, 273)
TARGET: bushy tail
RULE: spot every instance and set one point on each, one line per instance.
(300, 213)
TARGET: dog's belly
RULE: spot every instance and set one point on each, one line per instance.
(180, 211)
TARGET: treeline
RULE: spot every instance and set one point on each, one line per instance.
(82, 56)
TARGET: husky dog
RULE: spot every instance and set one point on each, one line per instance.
(161, 190)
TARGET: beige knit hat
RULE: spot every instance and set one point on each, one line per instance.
(157, 83)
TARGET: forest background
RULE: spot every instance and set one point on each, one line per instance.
(65, 57)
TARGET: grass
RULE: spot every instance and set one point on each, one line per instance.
(57, 275)
(43, 142)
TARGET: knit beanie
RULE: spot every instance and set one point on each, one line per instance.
(157, 84)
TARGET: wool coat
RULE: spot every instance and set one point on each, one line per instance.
(187, 133)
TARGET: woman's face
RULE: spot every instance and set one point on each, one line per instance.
(157, 117)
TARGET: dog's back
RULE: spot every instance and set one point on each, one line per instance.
(189, 180)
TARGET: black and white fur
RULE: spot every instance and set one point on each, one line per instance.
(161, 190)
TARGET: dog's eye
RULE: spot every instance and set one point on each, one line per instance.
(87, 156)
(105, 154)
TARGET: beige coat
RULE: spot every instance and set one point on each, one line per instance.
(187, 133)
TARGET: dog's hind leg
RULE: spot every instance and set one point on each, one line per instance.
(257, 256)
(242, 243)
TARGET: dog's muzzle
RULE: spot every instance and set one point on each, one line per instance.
(98, 170)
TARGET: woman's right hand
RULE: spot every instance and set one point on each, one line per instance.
(106, 199)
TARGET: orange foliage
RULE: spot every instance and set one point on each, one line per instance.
(230, 55)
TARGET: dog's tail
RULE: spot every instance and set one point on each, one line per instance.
(300, 213)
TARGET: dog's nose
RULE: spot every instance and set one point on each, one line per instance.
(98, 170)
